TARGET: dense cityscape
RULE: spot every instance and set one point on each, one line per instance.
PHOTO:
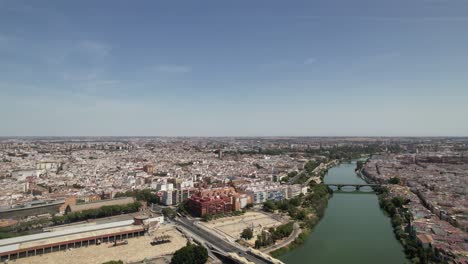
(242, 189)
(236, 132)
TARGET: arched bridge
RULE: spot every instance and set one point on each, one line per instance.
(357, 186)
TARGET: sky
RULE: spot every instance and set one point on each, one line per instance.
(234, 68)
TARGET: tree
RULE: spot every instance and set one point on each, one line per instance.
(394, 180)
(296, 201)
(311, 165)
(141, 195)
(301, 215)
(399, 201)
(293, 211)
(396, 221)
(269, 206)
(183, 208)
(104, 211)
(282, 231)
(264, 239)
(389, 207)
(359, 165)
(169, 213)
(247, 233)
(190, 254)
(207, 218)
(283, 205)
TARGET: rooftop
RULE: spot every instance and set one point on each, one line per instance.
(16, 243)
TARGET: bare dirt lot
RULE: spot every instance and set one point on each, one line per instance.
(233, 226)
(136, 250)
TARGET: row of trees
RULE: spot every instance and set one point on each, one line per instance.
(400, 218)
(209, 217)
(317, 199)
(310, 166)
(291, 175)
(360, 164)
(141, 195)
(24, 228)
(349, 152)
(283, 205)
(104, 211)
(270, 152)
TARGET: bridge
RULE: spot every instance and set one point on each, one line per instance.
(357, 186)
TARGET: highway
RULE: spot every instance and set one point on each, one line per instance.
(216, 241)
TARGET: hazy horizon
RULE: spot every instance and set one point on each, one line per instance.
(209, 68)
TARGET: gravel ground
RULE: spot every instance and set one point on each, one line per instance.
(233, 226)
(136, 250)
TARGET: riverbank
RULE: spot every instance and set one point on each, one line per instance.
(393, 206)
(297, 242)
(422, 234)
(306, 228)
(304, 210)
(353, 225)
(428, 230)
(309, 210)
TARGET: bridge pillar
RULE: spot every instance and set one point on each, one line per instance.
(358, 187)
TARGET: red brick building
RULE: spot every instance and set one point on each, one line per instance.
(216, 200)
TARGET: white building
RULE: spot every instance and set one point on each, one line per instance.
(21, 175)
(162, 186)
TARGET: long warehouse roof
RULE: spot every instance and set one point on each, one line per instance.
(10, 244)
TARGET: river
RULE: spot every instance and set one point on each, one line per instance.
(353, 230)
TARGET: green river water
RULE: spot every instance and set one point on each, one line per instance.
(353, 230)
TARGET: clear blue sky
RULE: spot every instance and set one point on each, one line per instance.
(234, 68)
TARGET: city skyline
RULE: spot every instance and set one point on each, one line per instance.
(268, 68)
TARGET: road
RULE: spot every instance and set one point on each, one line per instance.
(311, 176)
(216, 241)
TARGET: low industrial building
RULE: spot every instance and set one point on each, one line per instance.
(31, 209)
(73, 237)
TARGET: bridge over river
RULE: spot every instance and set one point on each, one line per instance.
(357, 186)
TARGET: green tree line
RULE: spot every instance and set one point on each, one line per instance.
(104, 211)
(141, 195)
(400, 218)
